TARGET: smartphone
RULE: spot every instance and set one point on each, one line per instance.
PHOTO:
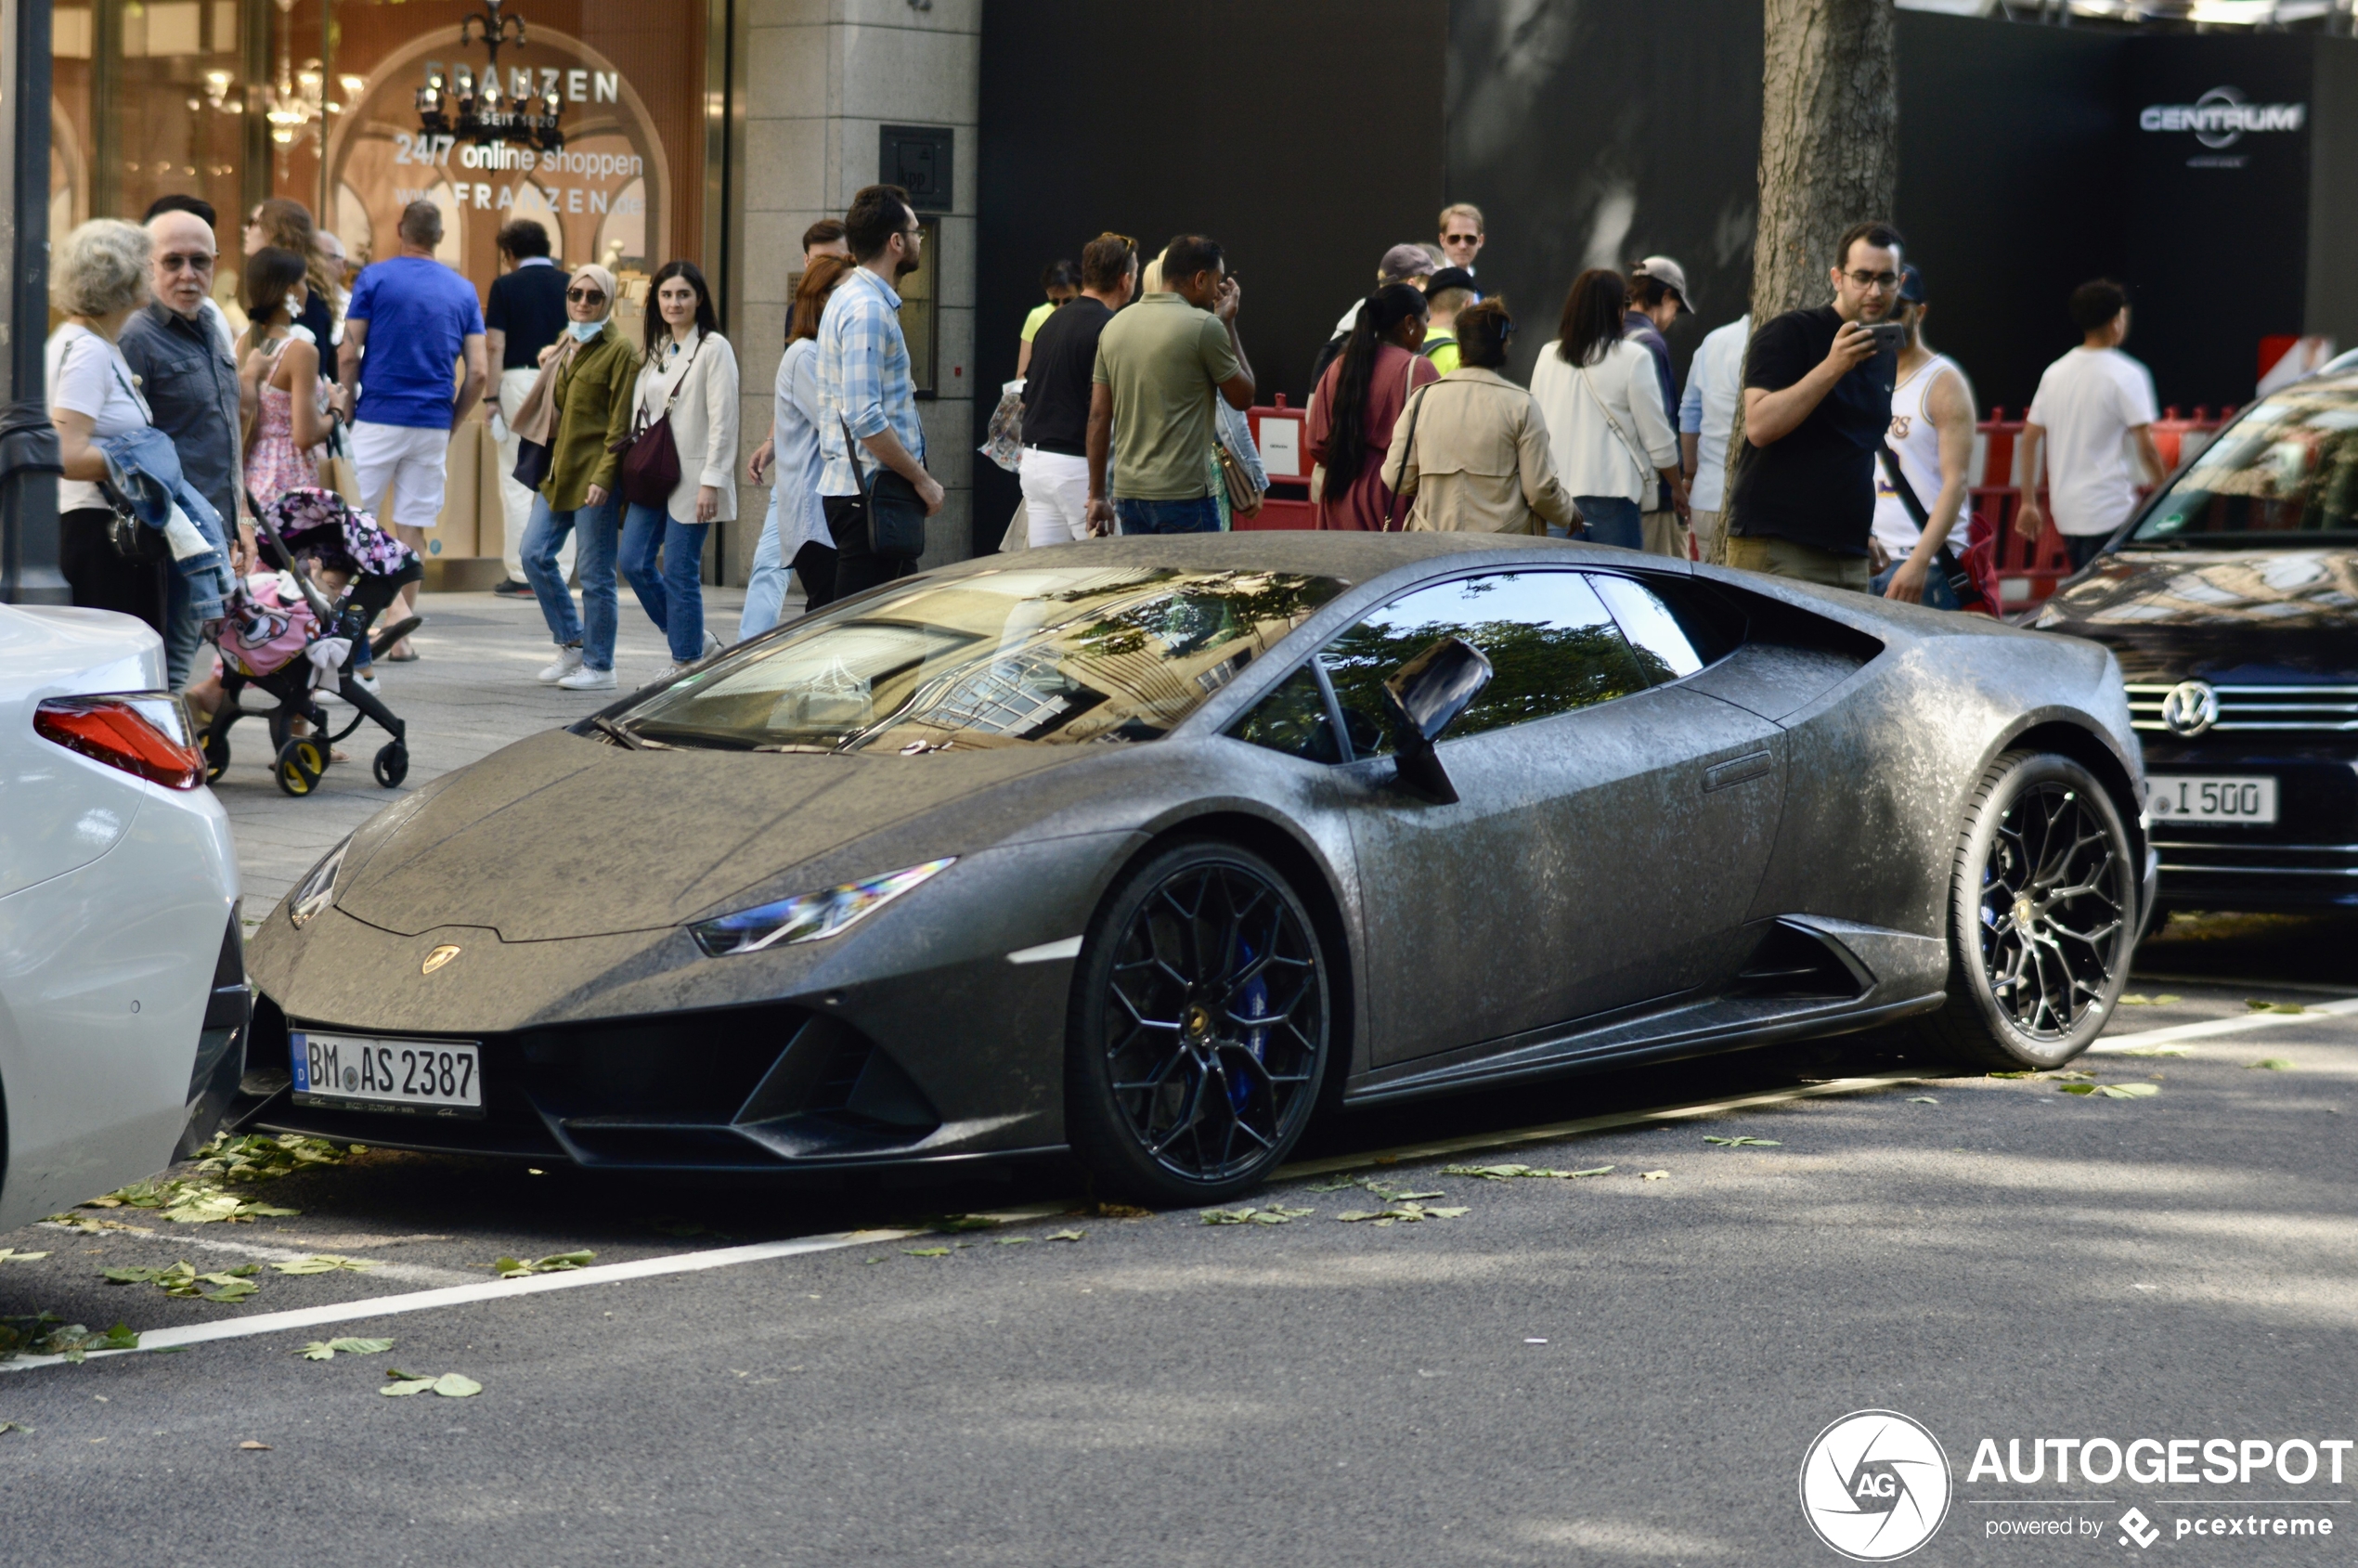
(1886, 334)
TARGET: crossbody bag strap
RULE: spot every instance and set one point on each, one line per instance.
(1407, 452)
(678, 385)
(1645, 470)
(851, 451)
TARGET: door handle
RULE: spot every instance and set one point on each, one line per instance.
(1737, 769)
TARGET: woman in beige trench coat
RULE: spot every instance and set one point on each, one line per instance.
(1471, 450)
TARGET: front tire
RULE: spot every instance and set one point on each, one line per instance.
(1201, 1028)
(2041, 918)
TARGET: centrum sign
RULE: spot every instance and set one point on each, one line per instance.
(2221, 117)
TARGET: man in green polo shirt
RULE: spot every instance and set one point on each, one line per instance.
(1160, 364)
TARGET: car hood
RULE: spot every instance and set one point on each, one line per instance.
(2259, 614)
(561, 836)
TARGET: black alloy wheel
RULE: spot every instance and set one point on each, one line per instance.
(1200, 1027)
(2042, 918)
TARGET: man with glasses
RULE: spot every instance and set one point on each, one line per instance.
(1461, 236)
(1817, 403)
(191, 387)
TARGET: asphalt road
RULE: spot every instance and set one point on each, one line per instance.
(1603, 1369)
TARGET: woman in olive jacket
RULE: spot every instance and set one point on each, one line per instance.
(580, 406)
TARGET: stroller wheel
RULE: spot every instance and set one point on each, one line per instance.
(391, 765)
(217, 756)
(300, 763)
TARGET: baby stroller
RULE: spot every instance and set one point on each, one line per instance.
(285, 635)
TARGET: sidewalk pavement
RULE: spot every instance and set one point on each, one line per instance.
(471, 692)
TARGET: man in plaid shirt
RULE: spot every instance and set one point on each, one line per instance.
(864, 381)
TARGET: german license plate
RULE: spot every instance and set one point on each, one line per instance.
(2206, 798)
(365, 1072)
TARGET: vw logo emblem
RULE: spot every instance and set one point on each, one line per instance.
(2191, 707)
(443, 954)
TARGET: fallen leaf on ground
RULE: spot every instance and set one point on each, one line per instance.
(187, 1202)
(456, 1385)
(1404, 1213)
(1921, 1100)
(952, 1223)
(1015, 1240)
(1512, 1173)
(1333, 1184)
(250, 1442)
(1123, 1212)
(2257, 1006)
(2271, 1064)
(261, 1156)
(47, 1334)
(2075, 1088)
(183, 1280)
(1655, 1176)
(2154, 1051)
(325, 1262)
(927, 1251)
(328, 1349)
(2128, 1091)
(1276, 1214)
(1066, 1235)
(450, 1385)
(14, 1426)
(556, 1263)
(2024, 1074)
(10, 1255)
(1744, 1142)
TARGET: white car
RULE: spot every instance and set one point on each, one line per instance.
(123, 997)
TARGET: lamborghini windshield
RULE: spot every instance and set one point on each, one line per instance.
(1064, 654)
(2286, 472)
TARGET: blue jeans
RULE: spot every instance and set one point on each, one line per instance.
(766, 589)
(672, 594)
(543, 539)
(1936, 592)
(1611, 519)
(182, 632)
(1200, 514)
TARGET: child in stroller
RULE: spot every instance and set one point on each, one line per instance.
(274, 617)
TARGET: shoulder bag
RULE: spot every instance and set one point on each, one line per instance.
(895, 513)
(1407, 454)
(131, 539)
(650, 468)
(1962, 582)
(1647, 483)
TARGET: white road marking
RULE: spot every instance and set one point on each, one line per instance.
(1046, 952)
(2222, 1026)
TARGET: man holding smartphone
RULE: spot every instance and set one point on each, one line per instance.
(1816, 402)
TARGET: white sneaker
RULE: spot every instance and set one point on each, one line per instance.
(368, 684)
(588, 680)
(712, 644)
(668, 673)
(568, 660)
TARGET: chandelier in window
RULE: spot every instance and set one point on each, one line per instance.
(294, 105)
(483, 109)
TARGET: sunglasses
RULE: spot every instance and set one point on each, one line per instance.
(172, 261)
(586, 296)
(1461, 239)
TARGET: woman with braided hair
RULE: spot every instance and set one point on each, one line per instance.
(1356, 403)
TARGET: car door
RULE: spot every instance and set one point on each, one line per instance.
(1610, 828)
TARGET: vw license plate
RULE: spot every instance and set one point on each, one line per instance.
(2191, 798)
(364, 1072)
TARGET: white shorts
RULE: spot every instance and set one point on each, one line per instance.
(401, 469)
(1056, 493)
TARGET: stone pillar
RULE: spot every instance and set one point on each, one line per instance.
(820, 78)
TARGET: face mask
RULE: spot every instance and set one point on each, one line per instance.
(585, 330)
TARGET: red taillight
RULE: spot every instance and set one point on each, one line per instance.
(142, 732)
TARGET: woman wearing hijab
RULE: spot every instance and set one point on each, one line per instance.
(578, 408)
(1356, 404)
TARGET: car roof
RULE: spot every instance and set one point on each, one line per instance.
(1351, 557)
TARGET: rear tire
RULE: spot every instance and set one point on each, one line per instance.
(1201, 1028)
(2041, 918)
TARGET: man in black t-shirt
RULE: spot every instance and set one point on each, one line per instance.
(527, 314)
(1817, 404)
(1056, 392)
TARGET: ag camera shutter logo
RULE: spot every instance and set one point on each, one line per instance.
(1875, 1485)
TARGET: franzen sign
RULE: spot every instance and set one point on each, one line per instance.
(2222, 118)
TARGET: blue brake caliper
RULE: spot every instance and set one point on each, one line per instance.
(1255, 1000)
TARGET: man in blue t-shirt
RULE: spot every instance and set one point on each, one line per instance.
(426, 319)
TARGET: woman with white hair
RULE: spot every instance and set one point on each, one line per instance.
(98, 274)
(579, 409)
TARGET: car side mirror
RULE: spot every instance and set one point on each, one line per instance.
(1424, 698)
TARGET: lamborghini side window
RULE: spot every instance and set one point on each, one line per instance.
(1653, 632)
(1552, 647)
(1293, 720)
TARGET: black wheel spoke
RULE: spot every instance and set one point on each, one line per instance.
(2054, 903)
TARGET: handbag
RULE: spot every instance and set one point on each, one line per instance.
(650, 467)
(1646, 480)
(532, 464)
(1407, 454)
(1244, 496)
(895, 513)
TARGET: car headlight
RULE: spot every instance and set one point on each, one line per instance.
(807, 917)
(318, 890)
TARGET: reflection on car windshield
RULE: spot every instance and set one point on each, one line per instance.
(2285, 472)
(1064, 654)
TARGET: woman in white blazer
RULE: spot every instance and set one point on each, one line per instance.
(1607, 429)
(692, 372)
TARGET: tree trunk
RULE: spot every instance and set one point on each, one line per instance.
(1829, 141)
